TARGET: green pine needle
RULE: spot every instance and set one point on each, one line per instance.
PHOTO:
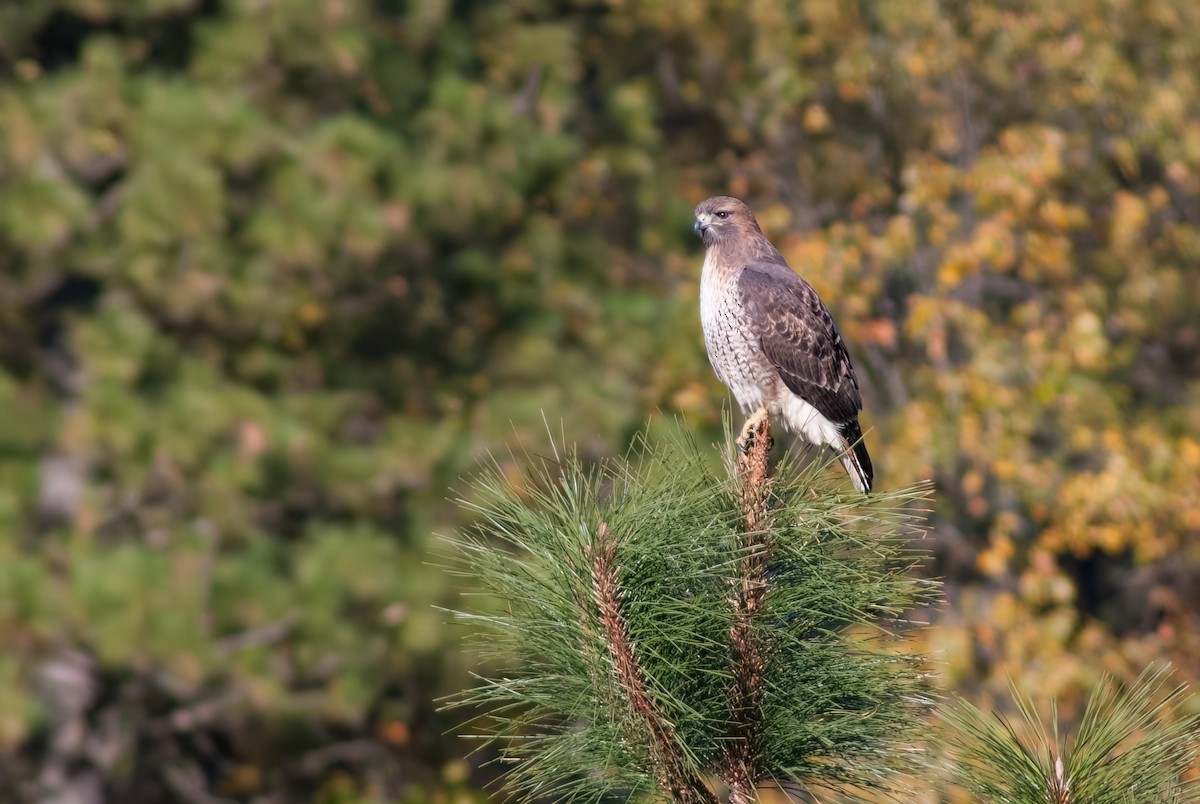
(666, 530)
(1132, 747)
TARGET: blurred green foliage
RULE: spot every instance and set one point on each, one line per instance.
(274, 274)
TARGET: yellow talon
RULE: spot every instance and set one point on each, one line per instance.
(752, 423)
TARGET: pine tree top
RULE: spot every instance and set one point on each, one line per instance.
(672, 628)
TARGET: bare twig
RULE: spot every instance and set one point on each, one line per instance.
(525, 103)
(261, 636)
(353, 752)
(671, 769)
(186, 783)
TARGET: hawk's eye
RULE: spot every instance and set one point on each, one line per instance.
(722, 214)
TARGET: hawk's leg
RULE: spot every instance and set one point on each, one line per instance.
(747, 437)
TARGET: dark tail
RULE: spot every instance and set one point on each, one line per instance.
(855, 457)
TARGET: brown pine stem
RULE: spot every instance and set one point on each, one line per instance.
(671, 769)
(1060, 788)
(749, 654)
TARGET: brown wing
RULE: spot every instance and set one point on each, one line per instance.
(797, 335)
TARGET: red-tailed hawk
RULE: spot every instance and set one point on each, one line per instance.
(772, 340)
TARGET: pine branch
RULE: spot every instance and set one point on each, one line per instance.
(1133, 745)
(749, 656)
(666, 625)
(670, 766)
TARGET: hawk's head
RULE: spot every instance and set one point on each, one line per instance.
(722, 217)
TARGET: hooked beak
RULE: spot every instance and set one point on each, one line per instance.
(699, 226)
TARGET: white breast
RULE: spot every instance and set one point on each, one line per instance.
(736, 357)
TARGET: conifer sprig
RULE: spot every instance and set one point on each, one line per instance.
(658, 638)
(748, 648)
(670, 767)
(1132, 746)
